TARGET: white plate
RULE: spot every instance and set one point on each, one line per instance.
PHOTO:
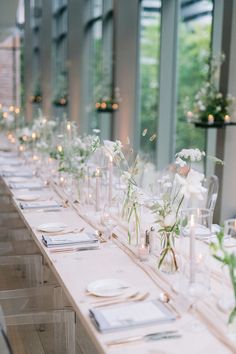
(107, 287)
(17, 179)
(28, 197)
(52, 227)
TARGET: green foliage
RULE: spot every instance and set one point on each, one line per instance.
(194, 51)
(193, 58)
(228, 259)
(149, 69)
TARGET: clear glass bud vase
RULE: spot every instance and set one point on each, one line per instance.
(134, 224)
(167, 260)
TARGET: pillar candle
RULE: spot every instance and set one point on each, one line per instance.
(98, 190)
(192, 249)
(110, 173)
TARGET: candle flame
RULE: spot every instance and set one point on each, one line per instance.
(33, 135)
(59, 148)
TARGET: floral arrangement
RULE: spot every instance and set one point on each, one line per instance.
(228, 259)
(24, 135)
(73, 157)
(210, 104)
(133, 201)
(133, 198)
(186, 184)
(39, 133)
(61, 92)
(105, 103)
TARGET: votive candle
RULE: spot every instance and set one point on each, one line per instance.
(210, 119)
(227, 118)
(143, 252)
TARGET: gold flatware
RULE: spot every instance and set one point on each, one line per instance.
(110, 300)
(65, 232)
(139, 297)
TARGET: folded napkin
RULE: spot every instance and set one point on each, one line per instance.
(7, 161)
(130, 315)
(27, 174)
(38, 205)
(69, 240)
(30, 185)
(5, 152)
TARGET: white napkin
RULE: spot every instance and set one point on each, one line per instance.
(130, 315)
(30, 185)
(22, 173)
(38, 205)
(69, 240)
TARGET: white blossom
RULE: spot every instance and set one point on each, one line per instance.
(112, 148)
(180, 162)
(191, 154)
(169, 220)
(192, 185)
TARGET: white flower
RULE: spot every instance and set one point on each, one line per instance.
(180, 162)
(219, 95)
(179, 180)
(25, 131)
(192, 185)
(112, 148)
(169, 220)
(202, 108)
(191, 154)
(126, 177)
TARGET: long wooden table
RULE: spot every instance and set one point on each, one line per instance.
(75, 270)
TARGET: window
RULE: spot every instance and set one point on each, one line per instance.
(149, 71)
(99, 36)
(36, 19)
(60, 56)
(193, 68)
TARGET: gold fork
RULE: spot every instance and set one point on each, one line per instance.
(139, 297)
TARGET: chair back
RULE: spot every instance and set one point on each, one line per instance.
(212, 185)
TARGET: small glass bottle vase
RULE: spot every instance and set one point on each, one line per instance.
(134, 225)
(167, 259)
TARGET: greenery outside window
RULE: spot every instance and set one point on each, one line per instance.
(193, 67)
(150, 19)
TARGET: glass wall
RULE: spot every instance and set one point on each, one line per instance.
(150, 22)
(194, 50)
(95, 61)
(99, 28)
(36, 22)
(60, 56)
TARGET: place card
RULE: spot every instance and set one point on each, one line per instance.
(130, 315)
